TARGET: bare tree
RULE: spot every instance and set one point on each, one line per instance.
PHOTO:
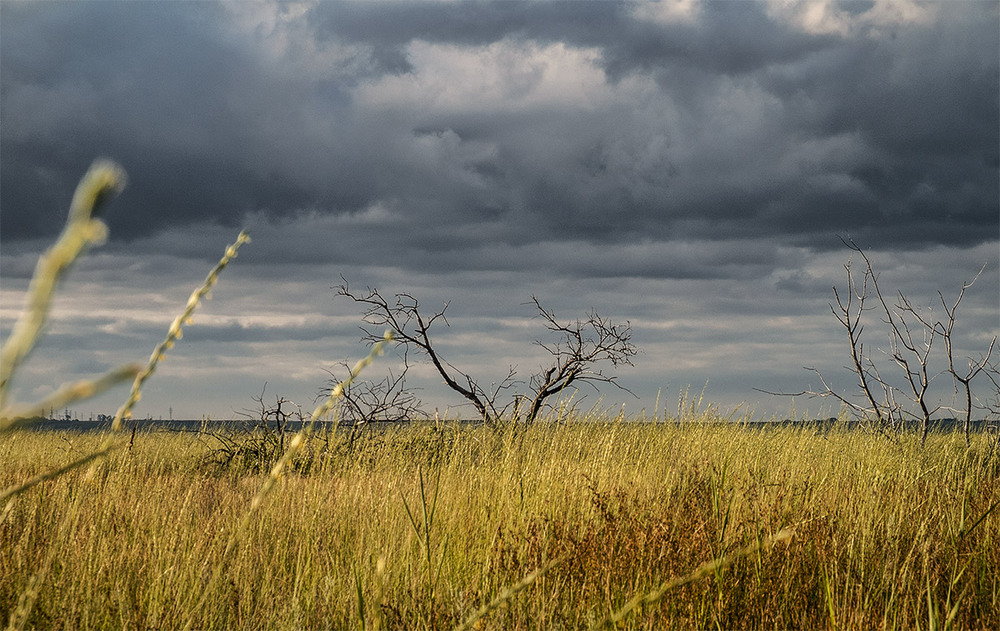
(278, 414)
(963, 379)
(366, 401)
(582, 345)
(911, 339)
(261, 441)
(912, 333)
(880, 405)
(411, 329)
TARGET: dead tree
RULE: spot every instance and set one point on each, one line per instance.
(411, 330)
(912, 334)
(879, 406)
(583, 345)
(911, 338)
(366, 401)
(264, 415)
(258, 444)
(963, 379)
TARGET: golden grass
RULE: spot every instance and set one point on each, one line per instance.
(83, 229)
(884, 535)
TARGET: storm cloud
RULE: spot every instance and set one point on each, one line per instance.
(688, 165)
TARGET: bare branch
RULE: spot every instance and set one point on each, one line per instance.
(578, 349)
(912, 333)
(582, 345)
(412, 329)
(368, 401)
(963, 380)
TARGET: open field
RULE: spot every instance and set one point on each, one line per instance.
(421, 527)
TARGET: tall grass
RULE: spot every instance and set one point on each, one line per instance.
(83, 229)
(558, 526)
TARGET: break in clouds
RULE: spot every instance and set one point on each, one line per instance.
(690, 166)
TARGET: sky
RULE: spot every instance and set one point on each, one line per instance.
(688, 166)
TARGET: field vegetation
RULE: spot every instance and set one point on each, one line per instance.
(422, 526)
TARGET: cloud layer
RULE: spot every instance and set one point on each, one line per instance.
(687, 165)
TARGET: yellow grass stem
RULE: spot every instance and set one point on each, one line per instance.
(82, 230)
(16, 416)
(320, 412)
(707, 569)
(509, 593)
(175, 332)
(103, 180)
(87, 389)
(267, 485)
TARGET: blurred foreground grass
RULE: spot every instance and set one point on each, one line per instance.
(421, 526)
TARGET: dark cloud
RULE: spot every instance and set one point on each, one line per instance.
(394, 25)
(695, 172)
(211, 128)
(729, 37)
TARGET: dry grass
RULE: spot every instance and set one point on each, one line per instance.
(421, 528)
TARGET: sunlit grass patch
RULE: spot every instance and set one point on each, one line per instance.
(878, 530)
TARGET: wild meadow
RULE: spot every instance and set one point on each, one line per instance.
(421, 527)
(573, 521)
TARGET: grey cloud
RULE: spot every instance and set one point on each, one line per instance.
(707, 170)
(466, 23)
(799, 282)
(730, 37)
(249, 332)
(159, 90)
(211, 132)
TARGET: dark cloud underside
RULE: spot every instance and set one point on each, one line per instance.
(750, 126)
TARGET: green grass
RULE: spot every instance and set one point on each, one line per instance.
(420, 528)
